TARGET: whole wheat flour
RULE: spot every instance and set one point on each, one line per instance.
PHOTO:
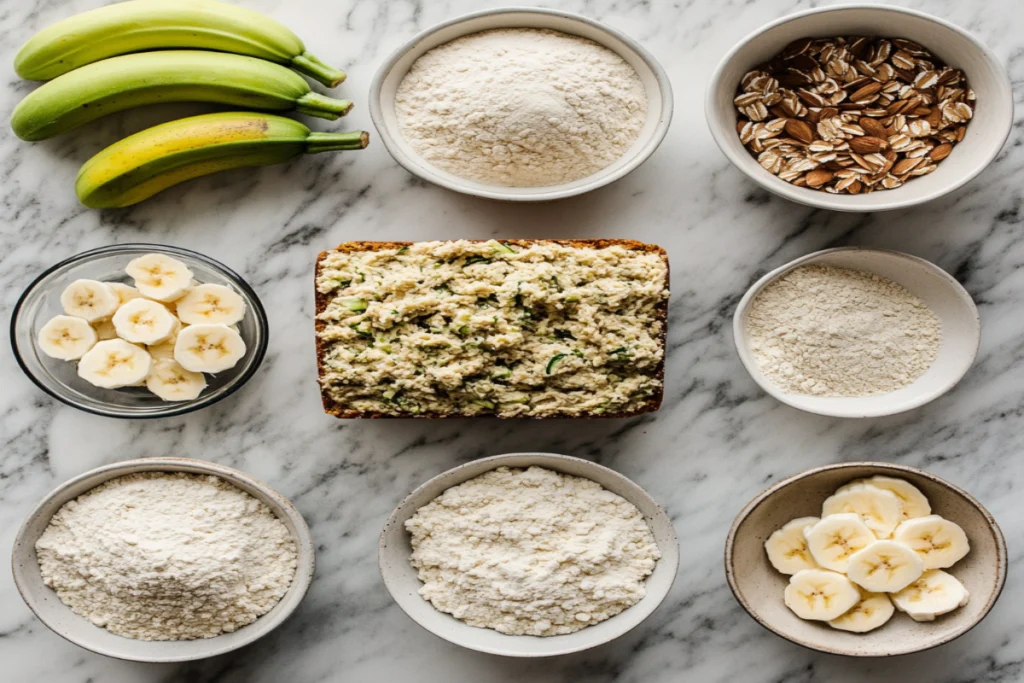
(167, 556)
(829, 331)
(521, 107)
(531, 552)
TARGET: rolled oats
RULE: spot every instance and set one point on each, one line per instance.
(852, 114)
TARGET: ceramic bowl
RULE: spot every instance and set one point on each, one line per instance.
(396, 66)
(58, 378)
(986, 134)
(961, 331)
(61, 620)
(402, 582)
(759, 588)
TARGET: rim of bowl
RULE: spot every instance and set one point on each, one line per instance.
(303, 538)
(1002, 559)
(426, 170)
(750, 363)
(497, 462)
(175, 408)
(787, 191)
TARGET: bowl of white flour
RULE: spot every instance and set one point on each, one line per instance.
(522, 104)
(855, 332)
(529, 555)
(163, 560)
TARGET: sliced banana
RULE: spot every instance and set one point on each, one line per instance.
(65, 337)
(114, 363)
(125, 293)
(820, 595)
(881, 510)
(934, 593)
(105, 329)
(171, 382)
(885, 567)
(835, 538)
(787, 547)
(940, 542)
(915, 504)
(142, 321)
(208, 348)
(873, 611)
(89, 300)
(160, 277)
(210, 303)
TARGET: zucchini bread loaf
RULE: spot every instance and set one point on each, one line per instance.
(517, 328)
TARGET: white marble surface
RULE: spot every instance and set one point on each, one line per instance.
(717, 441)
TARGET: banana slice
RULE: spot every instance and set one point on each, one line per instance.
(125, 293)
(915, 504)
(873, 610)
(935, 593)
(213, 304)
(105, 329)
(885, 567)
(787, 547)
(208, 348)
(820, 595)
(165, 349)
(881, 510)
(142, 321)
(66, 338)
(940, 542)
(160, 277)
(171, 382)
(89, 300)
(835, 538)
(114, 363)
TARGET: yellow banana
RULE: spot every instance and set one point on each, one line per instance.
(119, 83)
(140, 25)
(154, 159)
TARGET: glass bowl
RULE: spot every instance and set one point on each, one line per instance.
(58, 378)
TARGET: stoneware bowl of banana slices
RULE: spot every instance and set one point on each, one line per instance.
(866, 560)
(139, 331)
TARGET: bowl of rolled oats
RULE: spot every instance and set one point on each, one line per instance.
(860, 107)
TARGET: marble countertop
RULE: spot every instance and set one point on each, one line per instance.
(717, 441)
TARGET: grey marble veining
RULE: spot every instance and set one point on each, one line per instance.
(717, 441)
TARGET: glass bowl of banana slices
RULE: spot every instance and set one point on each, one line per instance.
(139, 331)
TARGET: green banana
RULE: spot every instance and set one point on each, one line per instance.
(119, 83)
(140, 25)
(154, 159)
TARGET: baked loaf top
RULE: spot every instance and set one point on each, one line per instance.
(518, 328)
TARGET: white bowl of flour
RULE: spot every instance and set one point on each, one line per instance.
(239, 549)
(526, 104)
(525, 583)
(854, 332)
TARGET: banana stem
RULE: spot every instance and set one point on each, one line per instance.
(331, 142)
(315, 104)
(311, 65)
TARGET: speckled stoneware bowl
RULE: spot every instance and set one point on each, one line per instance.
(759, 588)
(61, 620)
(402, 582)
(947, 299)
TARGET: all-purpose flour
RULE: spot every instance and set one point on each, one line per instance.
(521, 107)
(531, 552)
(167, 556)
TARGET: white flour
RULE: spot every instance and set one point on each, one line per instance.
(531, 552)
(521, 107)
(839, 332)
(167, 556)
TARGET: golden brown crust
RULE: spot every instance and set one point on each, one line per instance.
(332, 407)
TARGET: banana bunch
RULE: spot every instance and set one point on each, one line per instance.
(141, 52)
